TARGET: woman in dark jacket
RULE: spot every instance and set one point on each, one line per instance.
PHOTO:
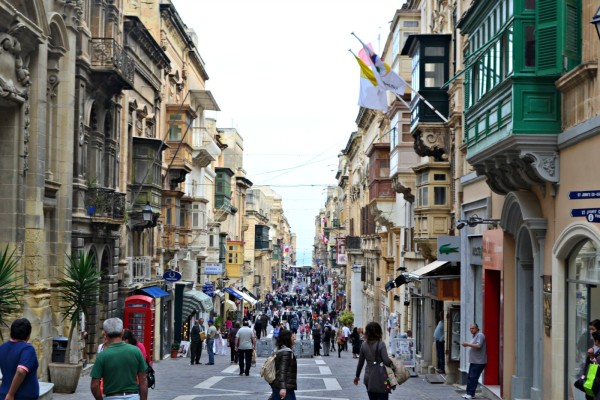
(356, 342)
(231, 338)
(284, 385)
(368, 353)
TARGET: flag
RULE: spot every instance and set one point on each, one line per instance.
(371, 95)
(383, 72)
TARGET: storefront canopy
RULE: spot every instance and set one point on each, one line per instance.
(240, 295)
(426, 270)
(229, 306)
(195, 301)
(154, 291)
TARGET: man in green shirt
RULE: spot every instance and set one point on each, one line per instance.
(121, 366)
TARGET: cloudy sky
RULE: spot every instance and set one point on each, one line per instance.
(282, 75)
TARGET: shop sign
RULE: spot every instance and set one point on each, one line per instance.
(341, 259)
(448, 248)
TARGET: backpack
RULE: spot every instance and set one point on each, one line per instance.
(268, 369)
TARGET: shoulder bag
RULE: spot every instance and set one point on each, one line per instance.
(589, 380)
(379, 380)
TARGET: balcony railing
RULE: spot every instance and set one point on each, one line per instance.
(108, 55)
(105, 202)
(138, 270)
(353, 242)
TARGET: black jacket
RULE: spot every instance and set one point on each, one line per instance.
(285, 371)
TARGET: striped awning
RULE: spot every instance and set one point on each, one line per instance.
(229, 306)
(195, 301)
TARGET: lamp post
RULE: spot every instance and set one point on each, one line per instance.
(596, 21)
(147, 213)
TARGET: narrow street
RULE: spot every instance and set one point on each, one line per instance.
(318, 378)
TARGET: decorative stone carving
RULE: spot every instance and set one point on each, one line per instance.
(430, 141)
(400, 187)
(511, 172)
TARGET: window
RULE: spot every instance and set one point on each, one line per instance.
(530, 46)
(439, 195)
(423, 200)
(168, 217)
(439, 177)
(434, 74)
(411, 24)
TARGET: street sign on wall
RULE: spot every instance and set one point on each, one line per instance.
(213, 268)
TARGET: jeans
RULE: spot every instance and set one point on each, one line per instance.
(439, 347)
(210, 347)
(475, 371)
(245, 360)
(325, 348)
(289, 394)
(134, 396)
(378, 396)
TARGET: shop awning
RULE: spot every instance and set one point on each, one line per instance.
(229, 306)
(249, 293)
(195, 301)
(240, 295)
(429, 268)
(154, 291)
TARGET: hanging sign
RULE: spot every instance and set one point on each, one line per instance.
(171, 276)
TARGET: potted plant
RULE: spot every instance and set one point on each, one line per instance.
(78, 291)
(175, 349)
(11, 290)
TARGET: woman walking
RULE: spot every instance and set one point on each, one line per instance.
(284, 385)
(372, 351)
(356, 342)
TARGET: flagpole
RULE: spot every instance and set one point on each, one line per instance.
(439, 114)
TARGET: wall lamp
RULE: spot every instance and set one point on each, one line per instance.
(596, 21)
(400, 280)
(475, 220)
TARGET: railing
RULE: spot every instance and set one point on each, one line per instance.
(138, 270)
(106, 53)
(353, 242)
(105, 202)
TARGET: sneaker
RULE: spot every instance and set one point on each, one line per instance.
(468, 396)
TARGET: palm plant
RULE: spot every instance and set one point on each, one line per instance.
(11, 291)
(78, 291)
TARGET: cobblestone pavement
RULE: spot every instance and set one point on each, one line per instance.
(318, 378)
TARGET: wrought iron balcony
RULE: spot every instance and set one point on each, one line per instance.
(352, 242)
(105, 204)
(108, 57)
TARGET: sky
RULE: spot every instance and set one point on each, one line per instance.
(282, 75)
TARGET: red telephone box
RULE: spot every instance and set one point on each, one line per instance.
(139, 319)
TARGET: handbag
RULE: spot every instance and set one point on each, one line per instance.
(379, 380)
(253, 358)
(589, 381)
(150, 377)
(400, 371)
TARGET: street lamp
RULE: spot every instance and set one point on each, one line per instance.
(596, 21)
(475, 220)
(147, 213)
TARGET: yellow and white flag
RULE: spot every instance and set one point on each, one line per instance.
(371, 95)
